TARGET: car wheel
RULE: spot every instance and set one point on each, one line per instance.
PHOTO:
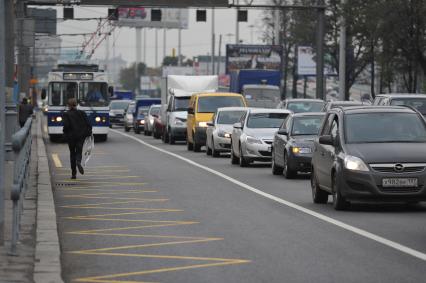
(137, 131)
(276, 170)
(288, 173)
(318, 195)
(208, 150)
(234, 159)
(189, 146)
(165, 137)
(215, 153)
(145, 132)
(110, 126)
(339, 202)
(243, 161)
(172, 139)
(127, 129)
(197, 146)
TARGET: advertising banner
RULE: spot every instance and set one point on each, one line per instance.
(140, 17)
(264, 57)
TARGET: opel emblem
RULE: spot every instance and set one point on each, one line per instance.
(398, 167)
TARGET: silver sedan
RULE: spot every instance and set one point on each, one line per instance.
(251, 139)
(219, 130)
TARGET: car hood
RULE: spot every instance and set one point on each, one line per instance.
(389, 152)
(180, 114)
(261, 133)
(225, 128)
(303, 140)
(117, 111)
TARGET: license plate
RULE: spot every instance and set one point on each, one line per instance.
(400, 182)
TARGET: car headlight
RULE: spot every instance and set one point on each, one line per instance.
(253, 140)
(111, 114)
(227, 135)
(59, 119)
(223, 134)
(202, 124)
(355, 164)
(179, 122)
(142, 122)
(98, 119)
(151, 120)
(301, 150)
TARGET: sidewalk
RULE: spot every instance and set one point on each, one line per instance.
(38, 249)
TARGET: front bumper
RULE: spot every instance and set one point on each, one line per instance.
(222, 144)
(116, 120)
(257, 152)
(356, 185)
(300, 162)
(178, 132)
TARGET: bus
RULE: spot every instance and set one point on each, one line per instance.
(89, 85)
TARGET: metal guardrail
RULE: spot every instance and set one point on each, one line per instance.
(21, 145)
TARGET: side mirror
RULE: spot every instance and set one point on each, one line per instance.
(155, 115)
(238, 126)
(43, 94)
(283, 132)
(111, 91)
(190, 110)
(327, 140)
(210, 124)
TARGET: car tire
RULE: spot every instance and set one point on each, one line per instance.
(101, 138)
(189, 146)
(172, 139)
(234, 159)
(339, 201)
(276, 170)
(137, 131)
(242, 160)
(126, 129)
(288, 173)
(318, 195)
(208, 150)
(145, 132)
(165, 137)
(215, 153)
(197, 146)
(110, 126)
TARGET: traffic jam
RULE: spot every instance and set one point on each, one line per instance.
(349, 151)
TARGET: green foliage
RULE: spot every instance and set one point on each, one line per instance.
(130, 77)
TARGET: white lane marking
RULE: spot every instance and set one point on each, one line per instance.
(56, 160)
(320, 216)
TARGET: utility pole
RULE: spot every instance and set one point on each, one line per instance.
(180, 40)
(138, 56)
(320, 51)
(219, 60)
(114, 68)
(237, 26)
(164, 43)
(213, 44)
(342, 56)
(156, 48)
(2, 117)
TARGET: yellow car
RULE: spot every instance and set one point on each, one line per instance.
(202, 107)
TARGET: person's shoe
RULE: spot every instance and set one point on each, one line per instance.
(73, 177)
(80, 168)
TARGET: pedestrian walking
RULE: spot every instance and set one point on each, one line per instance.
(76, 128)
(25, 111)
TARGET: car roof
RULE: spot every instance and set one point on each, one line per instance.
(374, 109)
(274, 87)
(207, 94)
(402, 95)
(307, 114)
(269, 110)
(304, 100)
(231, 109)
(155, 105)
(341, 102)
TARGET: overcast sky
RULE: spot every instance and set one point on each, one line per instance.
(196, 40)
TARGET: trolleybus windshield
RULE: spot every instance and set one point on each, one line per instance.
(93, 94)
(60, 92)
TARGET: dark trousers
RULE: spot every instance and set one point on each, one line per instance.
(76, 151)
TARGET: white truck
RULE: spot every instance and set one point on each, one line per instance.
(178, 92)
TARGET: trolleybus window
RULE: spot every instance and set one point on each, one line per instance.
(61, 92)
(94, 94)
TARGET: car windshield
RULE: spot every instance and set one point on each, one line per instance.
(182, 103)
(154, 111)
(335, 105)
(306, 125)
(143, 110)
(384, 128)
(210, 104)
(59, 93)
(262, 94)
(305, 106)
(266, 120)
(418, 103)
(131, 108)
(229, 117)
(119, 105)
(94, 94)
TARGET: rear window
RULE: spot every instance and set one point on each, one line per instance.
(306, 125)
(384, 128)
(155, 111)
(418, 103)
(229, 117)
(116, 105)
(210, 104)
(181, 103)
(305, 106)
(143, 110)
(266, 120)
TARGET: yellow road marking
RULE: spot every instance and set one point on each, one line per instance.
(101, 188)
(86, 174)
(122, 214)
(45, 129)
(86, 182)
(112, 193)
(94, 205)
(105, 197)
(56, 160)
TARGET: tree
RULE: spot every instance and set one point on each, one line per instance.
(130, 77)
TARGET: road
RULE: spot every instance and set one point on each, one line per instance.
(150, 212)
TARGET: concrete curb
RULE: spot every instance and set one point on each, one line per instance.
(47, 267)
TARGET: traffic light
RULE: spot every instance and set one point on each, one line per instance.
(155, 15)
(242, 16)
(113, 14)
(68, 13)
(201, 15)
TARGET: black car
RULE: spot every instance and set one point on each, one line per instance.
(293, 144)
(417, 101)
(337, 103)
(302, 105)
(370, 153)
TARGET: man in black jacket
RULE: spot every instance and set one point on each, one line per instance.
(25, 111)
(76, 128)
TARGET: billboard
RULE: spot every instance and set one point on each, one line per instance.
(306, 65)
(140, 17)
(264, 57)
(156, 3)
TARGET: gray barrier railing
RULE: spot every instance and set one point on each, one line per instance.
(21, 145)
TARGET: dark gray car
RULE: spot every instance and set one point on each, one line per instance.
(370, 153)
(293, 144)
(302, 105)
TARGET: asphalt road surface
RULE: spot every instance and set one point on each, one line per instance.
(149, 212)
